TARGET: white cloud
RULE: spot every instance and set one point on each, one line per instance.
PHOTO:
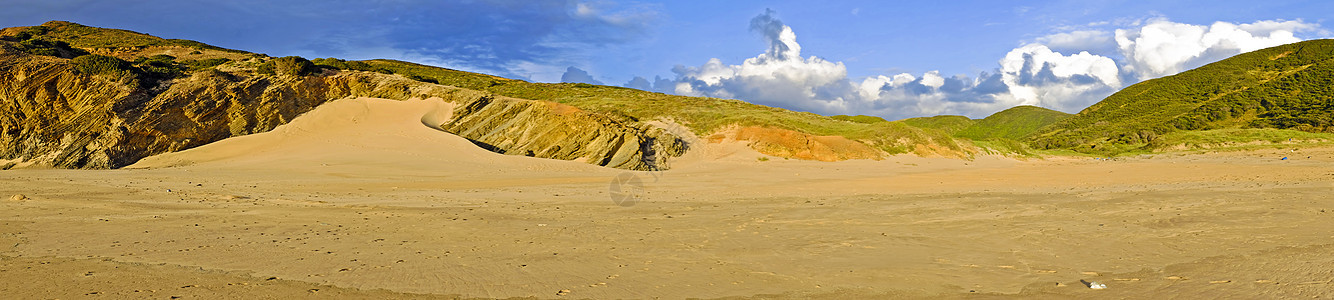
(1036, 75)
(1095, 41)
(933, 79)
(779, 76)
(1162, 47)
(1066, 71)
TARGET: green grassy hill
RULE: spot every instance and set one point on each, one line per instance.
(1015, 123)
(1285, 87)
(948, 123)
(88, 37)
(1237, 139)
(859, 118)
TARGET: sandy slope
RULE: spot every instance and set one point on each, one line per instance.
(359, 199)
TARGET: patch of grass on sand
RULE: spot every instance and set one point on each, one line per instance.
(1238, 139)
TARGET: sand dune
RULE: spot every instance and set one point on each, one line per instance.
(361, 198)
(358, 132)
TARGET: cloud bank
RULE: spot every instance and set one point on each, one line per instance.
(1066, 71)
(1163, 48)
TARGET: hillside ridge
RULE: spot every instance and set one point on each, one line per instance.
(1284, 87)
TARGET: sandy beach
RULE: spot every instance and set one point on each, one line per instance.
(360, 198)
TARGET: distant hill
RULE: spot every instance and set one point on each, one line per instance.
(859, 119)
(1015, 123)
(948, 123)
(1285, 87)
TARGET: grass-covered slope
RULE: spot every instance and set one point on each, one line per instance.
(1286, 87)
(81, 36)
(1015, 123)
(859, 118)
(948, 123)
(1241, 139)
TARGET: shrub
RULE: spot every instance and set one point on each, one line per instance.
(203, 64)
(42, 51)
(110, 67)
(100, 65)
(330, 62)
(347, 65)
(423, 79)
(39, 46)
(288, 66)
(160, 58)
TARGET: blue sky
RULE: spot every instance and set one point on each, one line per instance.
(893, 59)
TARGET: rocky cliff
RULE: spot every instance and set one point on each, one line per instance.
(55, 114)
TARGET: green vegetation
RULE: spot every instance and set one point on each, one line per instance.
(1015, 123)
(287, 66)
(338, 64)
(109, 67)
(30, 40)
(145, 69)
(162, 66)
(69, 40)
(204, 64)
(100, 65)
(467, 80)
(859, 119)
(949, 123)
(999, 133)
(88, 37)
(1287, 87)
(1237, 139)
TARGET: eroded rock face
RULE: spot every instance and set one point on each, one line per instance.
(53, 116)
(547, 129)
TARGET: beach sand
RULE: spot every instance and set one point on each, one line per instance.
(362, 199)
